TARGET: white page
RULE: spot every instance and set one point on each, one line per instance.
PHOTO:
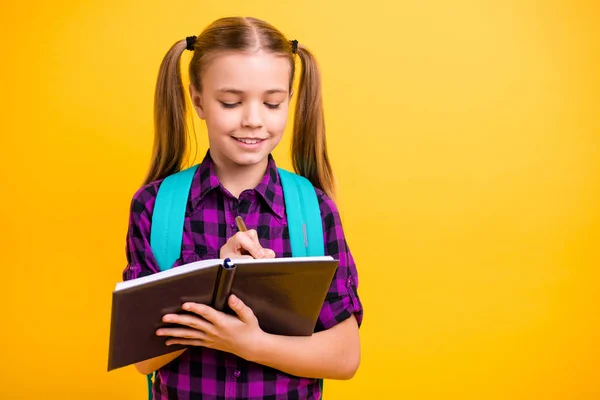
(211, 263)
(168, 273)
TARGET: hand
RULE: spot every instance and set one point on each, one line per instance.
(214, 329)
(242, 243)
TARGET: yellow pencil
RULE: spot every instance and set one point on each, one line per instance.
(240, 223)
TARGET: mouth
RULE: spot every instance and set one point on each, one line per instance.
(249, 141)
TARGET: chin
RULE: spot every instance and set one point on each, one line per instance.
(247, 160)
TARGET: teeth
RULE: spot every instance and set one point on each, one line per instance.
(249, 141)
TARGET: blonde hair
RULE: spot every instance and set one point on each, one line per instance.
(309, 150)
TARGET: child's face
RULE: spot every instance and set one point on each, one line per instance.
(244, 100)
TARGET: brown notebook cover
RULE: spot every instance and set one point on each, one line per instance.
(286, 295)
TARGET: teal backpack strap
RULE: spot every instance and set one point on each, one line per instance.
(303, 215)
(166, 233)
(303, 218)
(166, 230)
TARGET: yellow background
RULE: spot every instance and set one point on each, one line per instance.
(465, 138)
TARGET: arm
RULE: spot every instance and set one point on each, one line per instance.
(140, 258)
(330, 354)
(148, 366)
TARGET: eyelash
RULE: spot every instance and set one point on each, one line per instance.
(234, 105)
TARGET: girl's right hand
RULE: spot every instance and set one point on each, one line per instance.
(243, 243)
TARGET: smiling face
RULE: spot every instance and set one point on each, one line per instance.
(244, 101)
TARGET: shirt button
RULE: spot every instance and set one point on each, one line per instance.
(349, 281)
(237, 373)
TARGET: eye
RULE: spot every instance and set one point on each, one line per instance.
(228, 105)
(272, 106)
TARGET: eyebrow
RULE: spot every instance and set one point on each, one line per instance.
(237, 91)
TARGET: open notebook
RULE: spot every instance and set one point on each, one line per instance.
(286, 295)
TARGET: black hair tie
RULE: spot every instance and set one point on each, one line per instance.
(190, 42)
(294, 46)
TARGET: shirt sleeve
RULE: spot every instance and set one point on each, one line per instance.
(140, 258)
(342, 299)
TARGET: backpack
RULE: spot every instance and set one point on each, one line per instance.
(166, 232)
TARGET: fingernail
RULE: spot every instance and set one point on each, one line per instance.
(261, 253)
(186, 306)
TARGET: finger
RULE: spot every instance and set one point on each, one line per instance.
(189, 320)
(269, 253)
(187, 342)
(185, 333)
(245, 242)
(241, 309)
(253, 235)
(206, 312)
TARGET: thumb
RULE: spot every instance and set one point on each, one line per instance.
(240, 308)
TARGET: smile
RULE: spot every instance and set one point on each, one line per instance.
(249, 141)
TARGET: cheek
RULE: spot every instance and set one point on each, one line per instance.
(277, 121)
(222, 121)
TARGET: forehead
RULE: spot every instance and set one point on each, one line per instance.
(248, 72)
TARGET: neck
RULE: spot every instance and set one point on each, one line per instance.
(237, 178)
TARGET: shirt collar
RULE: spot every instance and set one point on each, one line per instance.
(269, 188)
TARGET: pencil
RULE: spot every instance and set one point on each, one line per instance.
(240, 223)
(242, 228)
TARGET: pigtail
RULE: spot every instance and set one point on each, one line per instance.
(170, 129)
(309, 147)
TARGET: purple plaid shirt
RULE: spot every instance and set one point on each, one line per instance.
(210, 220)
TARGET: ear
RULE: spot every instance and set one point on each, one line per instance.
(196, 101)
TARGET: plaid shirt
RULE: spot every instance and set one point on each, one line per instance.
(210, 220)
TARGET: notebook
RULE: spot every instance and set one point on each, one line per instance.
(286, 295)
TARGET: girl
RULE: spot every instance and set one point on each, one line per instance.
(241, 79)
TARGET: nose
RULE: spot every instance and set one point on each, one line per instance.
(252, 117)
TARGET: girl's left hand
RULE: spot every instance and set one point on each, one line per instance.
(215, 329)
